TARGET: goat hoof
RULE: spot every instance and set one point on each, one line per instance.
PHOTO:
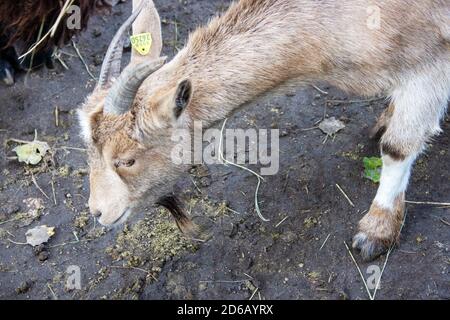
(6, 73)
(369, 248)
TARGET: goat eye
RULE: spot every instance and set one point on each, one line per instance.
(129, 163)
(124, 163)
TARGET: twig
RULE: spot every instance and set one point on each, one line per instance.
(37, 186)
(56, 116)
(69, 242)
(54, 193)
(284, 219)
(431, 203)
(311, 128)
(10, 220)
(325, 241)
(223, 281)
(260, 178)
(355, 101)
(83, 61)
(17, 141)
(61, 61)
(444, 221)
(72, 148)
(345, 195)
(387, 258)
(53, 292)
(51, 31)
(136, 268)
(195, 185)
(254, 292)
(19, 243)
(318, 89)
(233, 211)
(359, 270)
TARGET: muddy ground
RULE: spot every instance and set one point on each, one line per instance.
(240, 256)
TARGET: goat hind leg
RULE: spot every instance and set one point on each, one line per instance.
(382, 123)
(417, 109)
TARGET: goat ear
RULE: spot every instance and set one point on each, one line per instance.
(183, 96)
(148, 21)
(88, 121)
(167, 107)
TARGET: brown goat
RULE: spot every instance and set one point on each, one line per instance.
(254, 47)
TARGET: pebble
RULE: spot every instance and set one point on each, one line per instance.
(43, 255)
(24, 287)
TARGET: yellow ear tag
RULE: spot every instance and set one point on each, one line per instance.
(142, 43)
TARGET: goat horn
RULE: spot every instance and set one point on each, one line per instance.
(111, 63)
(122, 93)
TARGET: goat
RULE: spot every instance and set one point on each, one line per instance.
(19, 30)
(254, 47)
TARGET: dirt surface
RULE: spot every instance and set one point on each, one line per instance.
(299, 254)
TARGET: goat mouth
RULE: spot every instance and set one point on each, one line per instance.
(122, 218)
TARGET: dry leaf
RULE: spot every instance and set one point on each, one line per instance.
(331, 126)
(32, 152)
(39, 235)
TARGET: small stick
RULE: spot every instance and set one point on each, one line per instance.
(69, 242)
(53, 292)
(50, 32)
(72, 148)
(195, 185)
(254, 292)
(17, 141)
(225, 161)
(54, 193)
(311, 128)
(19, 243)
(10, 220)
(431, 203)
(387, 258)
(318, 89)
(57, 116)
(284, 219)
(37, 186)
(248, 275)
(83, 61)
(233, 211)
(345, 195)
(356, 101)
(359, 270)
(223, 281)
(445, 222)
(325, 241)
(58, 57)
(136, 268)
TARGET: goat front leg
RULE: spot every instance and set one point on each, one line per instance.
(414, 117)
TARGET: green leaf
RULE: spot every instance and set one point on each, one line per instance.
(31, 153)
(372, 168)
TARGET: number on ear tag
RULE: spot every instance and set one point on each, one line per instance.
(142, 43)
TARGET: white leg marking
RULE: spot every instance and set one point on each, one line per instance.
(394, 180)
